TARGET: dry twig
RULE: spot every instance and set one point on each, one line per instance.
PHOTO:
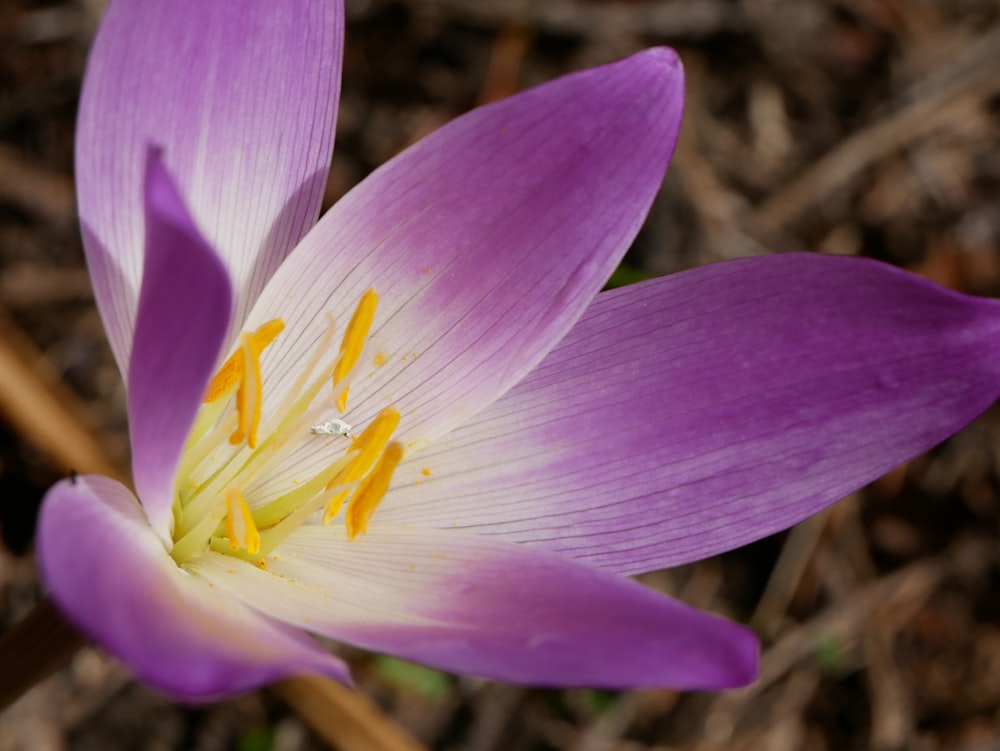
(925, 108)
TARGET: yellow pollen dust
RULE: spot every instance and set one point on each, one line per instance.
(240, 527)
(371, 492)
(354, 342)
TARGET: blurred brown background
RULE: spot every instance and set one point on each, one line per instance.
(855, 127)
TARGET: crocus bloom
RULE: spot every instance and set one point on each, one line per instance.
(416, 426)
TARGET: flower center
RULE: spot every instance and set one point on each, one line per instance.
(226, 499)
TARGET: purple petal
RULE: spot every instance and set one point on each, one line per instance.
(485, 242)
(111, 576)
(242, 97)
(489, 608)
(184, 309)
(696, 413)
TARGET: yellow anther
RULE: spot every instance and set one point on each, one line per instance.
(341, 402)
(355, 336)
(366, 450)
(249, 396)
(334, 505)
(210, 503)
(231, 371)
(368, 447)
(240, 529)
(371, 492)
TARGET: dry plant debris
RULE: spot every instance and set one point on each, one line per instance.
(858, 127)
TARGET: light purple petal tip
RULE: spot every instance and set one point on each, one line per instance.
(242, 96)
(110, 575)
(492, 609)
(185, 305)
(485, 241)
(696, 413)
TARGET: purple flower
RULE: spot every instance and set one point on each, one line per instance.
(416, 426)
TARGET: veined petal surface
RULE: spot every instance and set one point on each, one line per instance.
(185, 305)
(241, 95)
(485, 242)
(695, 413)
(489, 608)
(110, 575)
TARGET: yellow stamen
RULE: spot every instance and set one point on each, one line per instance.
(232, 369)
(366, 450)
(211, 510)
(240, 529)
(342, 400)
(369, 445)
(249, 396)
(371, 492)
(282, 438)
(279, 509)
(334, 505)
(354, 337)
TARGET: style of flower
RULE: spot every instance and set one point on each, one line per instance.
(416, 426)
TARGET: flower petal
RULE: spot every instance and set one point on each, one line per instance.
(184, 309)
(485, 242)
(489, 608)
(242, 97)
(111, 576)
(696, 413)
